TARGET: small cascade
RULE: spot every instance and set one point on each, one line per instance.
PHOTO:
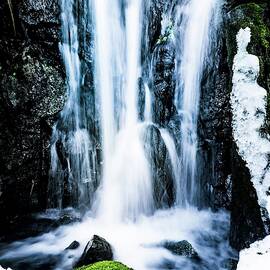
(175, 161)
(148, 104)
(73, 162)
(193, 40)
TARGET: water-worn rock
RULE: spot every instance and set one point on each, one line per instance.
(96, 250)
(163, 182)
(182, 248)
(73, 245)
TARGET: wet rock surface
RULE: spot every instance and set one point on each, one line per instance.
(96, 250)
(73, 245)
(182, 248)
(164, 189)
(32, 94)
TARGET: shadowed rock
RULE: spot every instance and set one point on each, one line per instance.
(96, 250)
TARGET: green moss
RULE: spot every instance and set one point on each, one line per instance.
(249, 15)
(254, 20)
(105, 265)
(253, 17)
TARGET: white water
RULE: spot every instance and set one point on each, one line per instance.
(76, 177)
(126, 188)
(194, 35)
(148, 105)
(139, 244)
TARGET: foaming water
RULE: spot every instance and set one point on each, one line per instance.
(138, 244)
(128, 190)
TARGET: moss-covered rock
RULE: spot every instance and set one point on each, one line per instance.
(105, 265)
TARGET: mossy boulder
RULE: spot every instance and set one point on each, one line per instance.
(105, 265)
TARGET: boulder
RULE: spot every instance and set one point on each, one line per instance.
(96, 250)
(73, 245)
(182, 248)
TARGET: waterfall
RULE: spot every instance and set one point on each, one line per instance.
(148, 172)
(126, 189)
(127, 185)
(72, 166)
(194, 38)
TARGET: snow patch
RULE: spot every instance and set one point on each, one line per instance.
(248, 102)
(255, 257)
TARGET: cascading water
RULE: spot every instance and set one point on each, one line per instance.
(194, 36)
(126, 190)
(72, 166)
(124, 210)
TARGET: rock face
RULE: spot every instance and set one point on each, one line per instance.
(96, 250)
(32, 93)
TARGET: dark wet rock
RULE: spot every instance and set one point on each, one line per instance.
(40, 20)
(164, 189)
(163, 84)
(182, 248)
(38, 261)
(73, 245)
(224, 178)
(153, 12)
(67, 219)
(246, 221)
(141, 99)
(96, 250)
(31, 225)
(214, 132)
(230, 264)
(32, 94)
